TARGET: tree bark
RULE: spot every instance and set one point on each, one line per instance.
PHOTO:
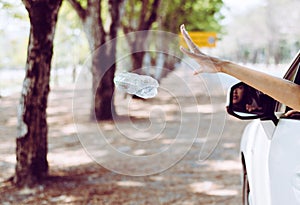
(104, 54)
(137, 61)
(145, 22)
(31, 150)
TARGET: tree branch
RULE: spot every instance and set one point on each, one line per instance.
(154, 11)
(89, 3)
(152, 17)
(78, 8)
(115, 7)
(143, 14)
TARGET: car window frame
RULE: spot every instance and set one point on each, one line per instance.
(290, 75)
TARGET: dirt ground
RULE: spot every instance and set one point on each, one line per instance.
(188, 114)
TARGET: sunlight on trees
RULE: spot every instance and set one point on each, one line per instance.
(268, 33)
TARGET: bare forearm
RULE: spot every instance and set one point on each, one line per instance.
(282, 90)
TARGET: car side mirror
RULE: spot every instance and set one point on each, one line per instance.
(245, 102)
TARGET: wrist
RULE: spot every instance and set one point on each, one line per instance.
(223, 66)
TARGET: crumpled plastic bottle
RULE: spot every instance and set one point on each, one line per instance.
(143, 86)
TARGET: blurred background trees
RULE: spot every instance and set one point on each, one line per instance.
(266, 33)
(142, 15)
(100, 22)
(204, 15)
(139, 15)
(94, 17)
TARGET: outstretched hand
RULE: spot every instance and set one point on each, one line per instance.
(207, 63)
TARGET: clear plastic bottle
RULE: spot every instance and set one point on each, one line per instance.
(140, 85)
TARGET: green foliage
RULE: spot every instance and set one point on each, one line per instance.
(197, 15)
(12, 9)
(139, 14)
(70, 42)
(132, 9)
(200, 15)
(70, 45)
(14, 31)
(5, 5)
(83, 3)
(68, 16)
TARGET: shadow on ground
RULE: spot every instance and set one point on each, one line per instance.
(207, 172)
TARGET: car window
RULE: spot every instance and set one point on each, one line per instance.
(297, 76)
(293, 75)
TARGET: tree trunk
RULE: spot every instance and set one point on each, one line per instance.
(104, 54)
(31, 150)
(146, 18)
(137, 61)
(103, 68)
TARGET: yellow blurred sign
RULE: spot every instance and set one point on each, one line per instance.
(202, 39)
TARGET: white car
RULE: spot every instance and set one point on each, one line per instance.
(270, 146)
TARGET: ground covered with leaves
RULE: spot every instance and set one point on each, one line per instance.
(203, 168)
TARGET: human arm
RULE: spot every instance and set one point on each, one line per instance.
(282, 90)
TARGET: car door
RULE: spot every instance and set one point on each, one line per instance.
(284, 154)
(270, 149)
(284, 163)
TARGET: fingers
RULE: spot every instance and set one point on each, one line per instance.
(187, 38)
(208, 64)
(192, 55)
(189, 53)
(249, 107)
(290, 112)
(199, 56)
(196, 72)
(192, 46)
(185, 51)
